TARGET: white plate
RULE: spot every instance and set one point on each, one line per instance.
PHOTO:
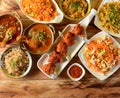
(97, 21)
(72, 50)
(96, 74)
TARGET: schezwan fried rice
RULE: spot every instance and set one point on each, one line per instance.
(43, 10)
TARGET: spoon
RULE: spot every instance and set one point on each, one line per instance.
(84, 23)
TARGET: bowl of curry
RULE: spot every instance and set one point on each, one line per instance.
(75, 9)
(37, 38)
(10, 28)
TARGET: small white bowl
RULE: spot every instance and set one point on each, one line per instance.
(80, 77)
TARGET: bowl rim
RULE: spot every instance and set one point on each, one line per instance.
(79, 78)
(76, 19)
(28, 55)
(52, 33)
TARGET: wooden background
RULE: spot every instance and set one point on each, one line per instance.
(37, 85)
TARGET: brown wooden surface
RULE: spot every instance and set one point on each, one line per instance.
(37, 85)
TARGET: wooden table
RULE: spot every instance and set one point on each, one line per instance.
(37, 85)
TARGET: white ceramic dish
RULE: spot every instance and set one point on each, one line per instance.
(81, 76)
(60, 66)
(57, 19)
(72, 50)
(96, 74)
(97, 21)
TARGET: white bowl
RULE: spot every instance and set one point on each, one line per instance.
(97, 22)
(5, 71)
(57, 19)
(81, 76)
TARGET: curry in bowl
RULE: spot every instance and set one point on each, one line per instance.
(16, 62)
(10, 28)
(75, 9)
(37, 38)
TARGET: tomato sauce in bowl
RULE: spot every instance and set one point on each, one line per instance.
(7, 21)
(40, 38)
(76, 72)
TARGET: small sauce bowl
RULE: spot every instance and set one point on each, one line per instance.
(75, 72)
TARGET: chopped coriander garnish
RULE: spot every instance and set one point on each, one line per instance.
(1, 27)
(75, 5)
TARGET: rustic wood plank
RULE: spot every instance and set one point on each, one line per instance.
(60, 89)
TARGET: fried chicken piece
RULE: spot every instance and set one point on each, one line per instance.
(30, 42)
(21, 38)
(49, 68)
(69, 39)
(9, 35)
(62, 48)
(78, 30)
(55, 57)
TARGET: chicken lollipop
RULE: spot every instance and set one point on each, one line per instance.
(78, 30)
(62, 48)
(55, 57)
(49, 68)
(69, 38)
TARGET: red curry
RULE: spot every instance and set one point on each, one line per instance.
(7, 21)
(41, 35)
(75, 71)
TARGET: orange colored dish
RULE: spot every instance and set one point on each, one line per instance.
(39, 38)
(101, 54)
(61, 48)
(7, 21)
(43, 10)
(75, 71)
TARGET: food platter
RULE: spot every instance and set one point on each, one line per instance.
(98, 23)
(82, 58)
(71, 50)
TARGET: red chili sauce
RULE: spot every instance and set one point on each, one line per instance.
(75, 71)
(7, 21)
